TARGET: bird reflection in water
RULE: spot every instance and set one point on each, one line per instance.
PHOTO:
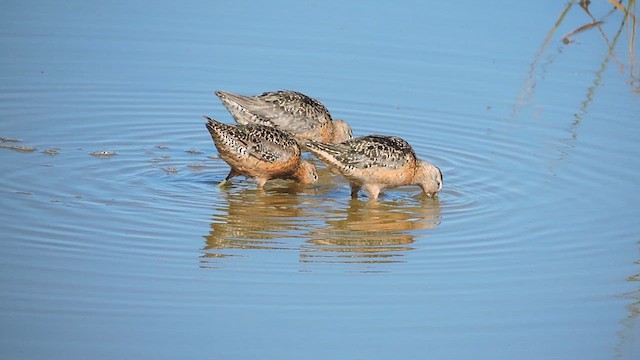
(370, 232)
(255, 219)
(322, 230)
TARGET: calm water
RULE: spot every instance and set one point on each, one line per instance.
(116, 243)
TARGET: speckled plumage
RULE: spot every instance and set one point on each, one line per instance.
(291, 111)
(376, 162)
(260, 152)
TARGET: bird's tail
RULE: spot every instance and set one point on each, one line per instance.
(216, 128)
(325, 152)
(243, 108)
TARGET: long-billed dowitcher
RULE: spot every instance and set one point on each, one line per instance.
(291, 111)
(376, 162)
(260, 152)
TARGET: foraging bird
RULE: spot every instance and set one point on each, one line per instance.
(291, 111)
(376, 162)
(260, 152)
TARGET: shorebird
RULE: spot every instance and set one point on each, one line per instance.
(376, 162)
(291, 111)
(260, 152)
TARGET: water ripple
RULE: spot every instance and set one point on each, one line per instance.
(148, 158)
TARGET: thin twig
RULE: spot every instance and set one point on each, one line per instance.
(582, 28)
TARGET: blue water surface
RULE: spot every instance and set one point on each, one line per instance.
(117, 243)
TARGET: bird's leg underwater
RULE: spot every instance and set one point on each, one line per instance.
(227, 180)
(354, 190)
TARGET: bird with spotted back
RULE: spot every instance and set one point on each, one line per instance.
(260, 152)
(377, 162)
(290, 111)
